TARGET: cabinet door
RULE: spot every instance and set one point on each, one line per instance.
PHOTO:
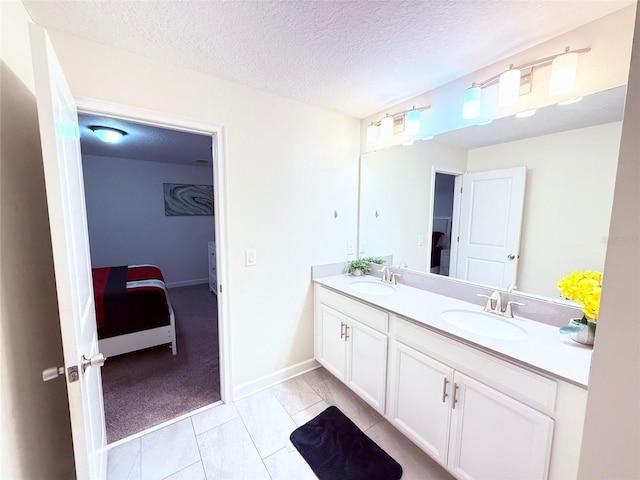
(496, 437)
(420, 393)
(330, 343)
(367, 363)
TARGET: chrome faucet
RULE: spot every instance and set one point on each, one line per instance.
(496, 307)
(388, 276)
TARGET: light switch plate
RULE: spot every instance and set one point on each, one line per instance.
(250, 258)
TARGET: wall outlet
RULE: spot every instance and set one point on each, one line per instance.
(250, 258)
(362, 250)
(420, 240)
(349, 248)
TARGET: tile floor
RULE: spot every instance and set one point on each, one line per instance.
(249, 439)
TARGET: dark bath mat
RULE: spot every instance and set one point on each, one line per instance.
(336, 449)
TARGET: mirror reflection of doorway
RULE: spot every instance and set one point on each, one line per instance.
(442, 223)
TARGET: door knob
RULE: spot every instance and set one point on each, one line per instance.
(96, 360)
(511, 256)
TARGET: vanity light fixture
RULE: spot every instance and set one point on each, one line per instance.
(509, 87)
(386, 127)
(471, 105)
(406, 120)
(562, 79)
(430, 137)
(108, 134)
(486, 122)
(372, 134)
(563, 73)
(412, 122)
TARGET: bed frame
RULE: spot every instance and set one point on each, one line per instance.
(150, 337)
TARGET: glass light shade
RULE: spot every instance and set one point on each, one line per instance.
(526, 113)
(563, 73)
(372, 135)
(386, 127)
(509, 88)
(412, 123)
(107, 134)
(471, 106)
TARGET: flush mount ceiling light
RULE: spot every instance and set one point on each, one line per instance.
(108, 134)
(406, 120)
(510, 82)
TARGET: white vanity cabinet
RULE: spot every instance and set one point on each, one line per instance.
(351, 342)
(471, 412)
(478, 413)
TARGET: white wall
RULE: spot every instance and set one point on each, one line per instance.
(611, 439)
(288, 167)
(35, 433)
(127, 224)
(397, 184)
(570, 180)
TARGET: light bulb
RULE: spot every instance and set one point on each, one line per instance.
(471, 106)
(372, 135)
(509, 87)
(563, 74)
(386, 127)
(412, 123)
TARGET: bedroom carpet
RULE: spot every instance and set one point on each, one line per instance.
(149, 387)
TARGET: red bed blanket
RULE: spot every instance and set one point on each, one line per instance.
(129, 298)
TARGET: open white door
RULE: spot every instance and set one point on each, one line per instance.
(59, 135)
(490, 224)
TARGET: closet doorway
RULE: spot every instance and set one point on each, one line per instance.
(153, 199)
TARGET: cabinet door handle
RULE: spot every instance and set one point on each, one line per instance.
(342, 325)
(444, 389)
(346, 332)
(455, 396)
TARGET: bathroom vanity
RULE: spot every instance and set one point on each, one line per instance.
(502, 401)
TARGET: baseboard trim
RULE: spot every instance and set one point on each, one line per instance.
(274, 378)
(188, 283)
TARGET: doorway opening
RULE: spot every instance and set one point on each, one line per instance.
(443, 219)
(150, 201)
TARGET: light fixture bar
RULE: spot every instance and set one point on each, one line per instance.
(400, 114)
(535, 64)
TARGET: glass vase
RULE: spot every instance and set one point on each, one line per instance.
(587, 335)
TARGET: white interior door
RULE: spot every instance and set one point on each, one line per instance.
(490, 224)
(59, 136)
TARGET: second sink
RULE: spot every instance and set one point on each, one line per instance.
(372, 288)
(484, 324)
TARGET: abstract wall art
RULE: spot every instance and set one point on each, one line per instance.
(181, 199)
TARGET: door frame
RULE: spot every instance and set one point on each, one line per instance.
(455, 214)
(217, 132)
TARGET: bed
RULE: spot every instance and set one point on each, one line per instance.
(133, 310)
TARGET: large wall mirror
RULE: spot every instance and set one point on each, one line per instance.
(411, 206)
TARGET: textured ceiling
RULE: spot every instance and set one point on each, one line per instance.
(355, 57)
(145, 142)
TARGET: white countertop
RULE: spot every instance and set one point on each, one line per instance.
(545, 349)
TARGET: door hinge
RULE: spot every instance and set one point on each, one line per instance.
(220, 287)
(458, 239)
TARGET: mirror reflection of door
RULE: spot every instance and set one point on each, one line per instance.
(482, 213)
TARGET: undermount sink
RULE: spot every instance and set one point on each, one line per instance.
(372, 288)
(484, 324)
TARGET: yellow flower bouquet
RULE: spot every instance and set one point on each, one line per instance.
(584, 288)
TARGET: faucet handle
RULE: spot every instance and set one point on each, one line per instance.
(489, 306)
(508, 311)
(394, 278)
